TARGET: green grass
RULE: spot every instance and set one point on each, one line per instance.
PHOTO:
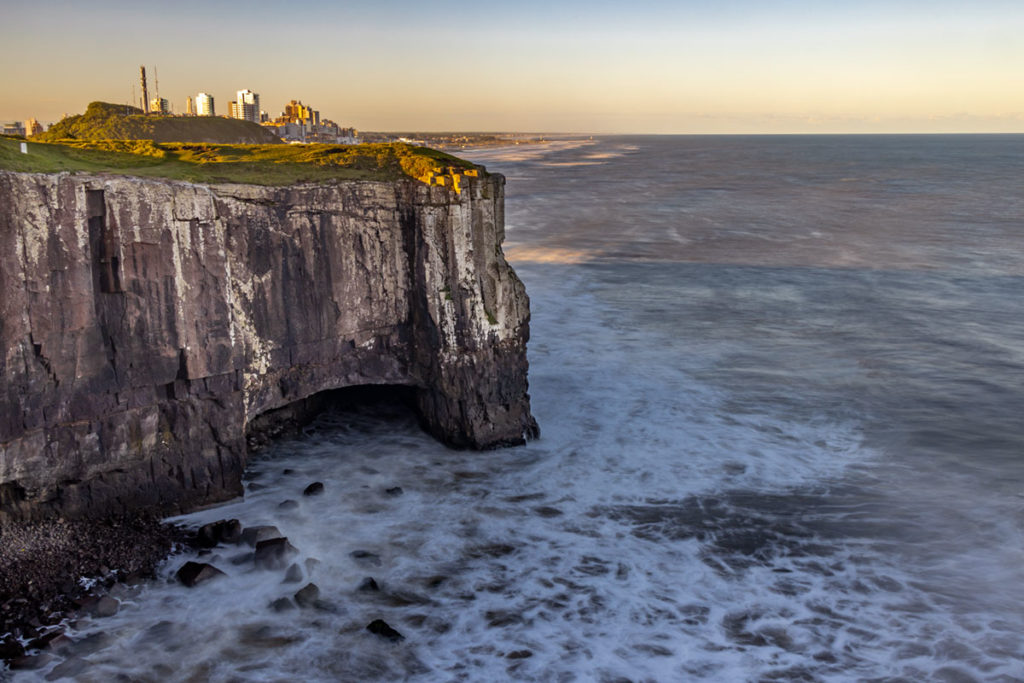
(216, 163)
(105, 121)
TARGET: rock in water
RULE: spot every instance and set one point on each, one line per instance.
(274, 553)
(380, 627)
(194, 573)
(293, 575)
(314, 489)
(308, 595)
(369, 585)
(107, 606)
(255, 534)
(224, 531)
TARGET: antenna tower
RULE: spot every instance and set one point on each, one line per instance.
(145, 91)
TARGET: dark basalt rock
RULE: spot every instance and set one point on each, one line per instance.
(282, 605)
(308, 595)
(293, 575)
(380, 627)
(368, 585)
(106, 607)
(254, 534)
(394, 491)
(274, 553)
(288, 505)
(223, 531)
(314, 489)
(151, 325)
(366, 557)
(194, 573)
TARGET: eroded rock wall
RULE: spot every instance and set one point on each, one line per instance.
(145, 322)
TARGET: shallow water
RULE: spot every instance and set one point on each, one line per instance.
(779, 382)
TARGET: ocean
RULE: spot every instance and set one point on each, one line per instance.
(780, 385)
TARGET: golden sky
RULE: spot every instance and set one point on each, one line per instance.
(732, 66)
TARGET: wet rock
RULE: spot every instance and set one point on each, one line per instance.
(31, 662)
(368, 585)
(288, 505)
(223, 531)
(10, 648)
(380, 628)
(282, 605)
(366, 557)
(273, 553)
(308, 595)
(394, 491)
(69, 668)
(293, 575)
(519, 654)
(287, 470)
(311, 564)
(194, 573)
(547, 511)
(107, 607)
(241, 559)
(254, 534)
(314, 489)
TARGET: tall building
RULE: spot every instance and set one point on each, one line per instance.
(233, 110)
(159, 105)
(247, 106)
(204, 105)
(32, 127)
(189, 111)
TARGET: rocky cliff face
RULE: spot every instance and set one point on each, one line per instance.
(145, 323)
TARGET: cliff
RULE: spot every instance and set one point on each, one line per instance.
(145, 323)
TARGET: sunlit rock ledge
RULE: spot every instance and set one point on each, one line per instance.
(145, 323)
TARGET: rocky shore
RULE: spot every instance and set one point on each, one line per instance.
(51, 570)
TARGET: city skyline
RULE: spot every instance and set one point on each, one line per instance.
(780, 66)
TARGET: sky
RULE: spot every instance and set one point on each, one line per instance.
(573, 66)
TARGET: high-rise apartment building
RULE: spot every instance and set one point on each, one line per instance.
(32, 127)
(204, 105)
(159, 105)
(189, 111)
(247, 106)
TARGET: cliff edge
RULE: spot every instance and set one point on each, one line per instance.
(146, 322)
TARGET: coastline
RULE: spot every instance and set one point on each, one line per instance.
(53, 570)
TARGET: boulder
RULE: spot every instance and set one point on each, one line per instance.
(254, 534)
(314, 489)
(380, 628)
(274, 553)
(194, 573)
(223, 531)
(308, 596)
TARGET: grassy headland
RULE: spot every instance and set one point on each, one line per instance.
(216, 163)
(105, 121)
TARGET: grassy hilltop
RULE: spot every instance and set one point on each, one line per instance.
(105, 121)
(254, 164)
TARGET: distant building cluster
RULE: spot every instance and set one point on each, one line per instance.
(22, 128)
(297, 123)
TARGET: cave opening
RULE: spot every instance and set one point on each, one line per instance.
(396, 401)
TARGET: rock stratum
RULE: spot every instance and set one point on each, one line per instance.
(145, 324)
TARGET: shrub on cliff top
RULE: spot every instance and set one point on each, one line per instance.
(106, 121)
(215, 163)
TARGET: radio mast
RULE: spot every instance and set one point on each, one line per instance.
(145, 91)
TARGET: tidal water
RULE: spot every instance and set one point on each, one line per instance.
(780, 383)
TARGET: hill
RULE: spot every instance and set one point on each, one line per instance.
(105, 121)
(256, 164)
